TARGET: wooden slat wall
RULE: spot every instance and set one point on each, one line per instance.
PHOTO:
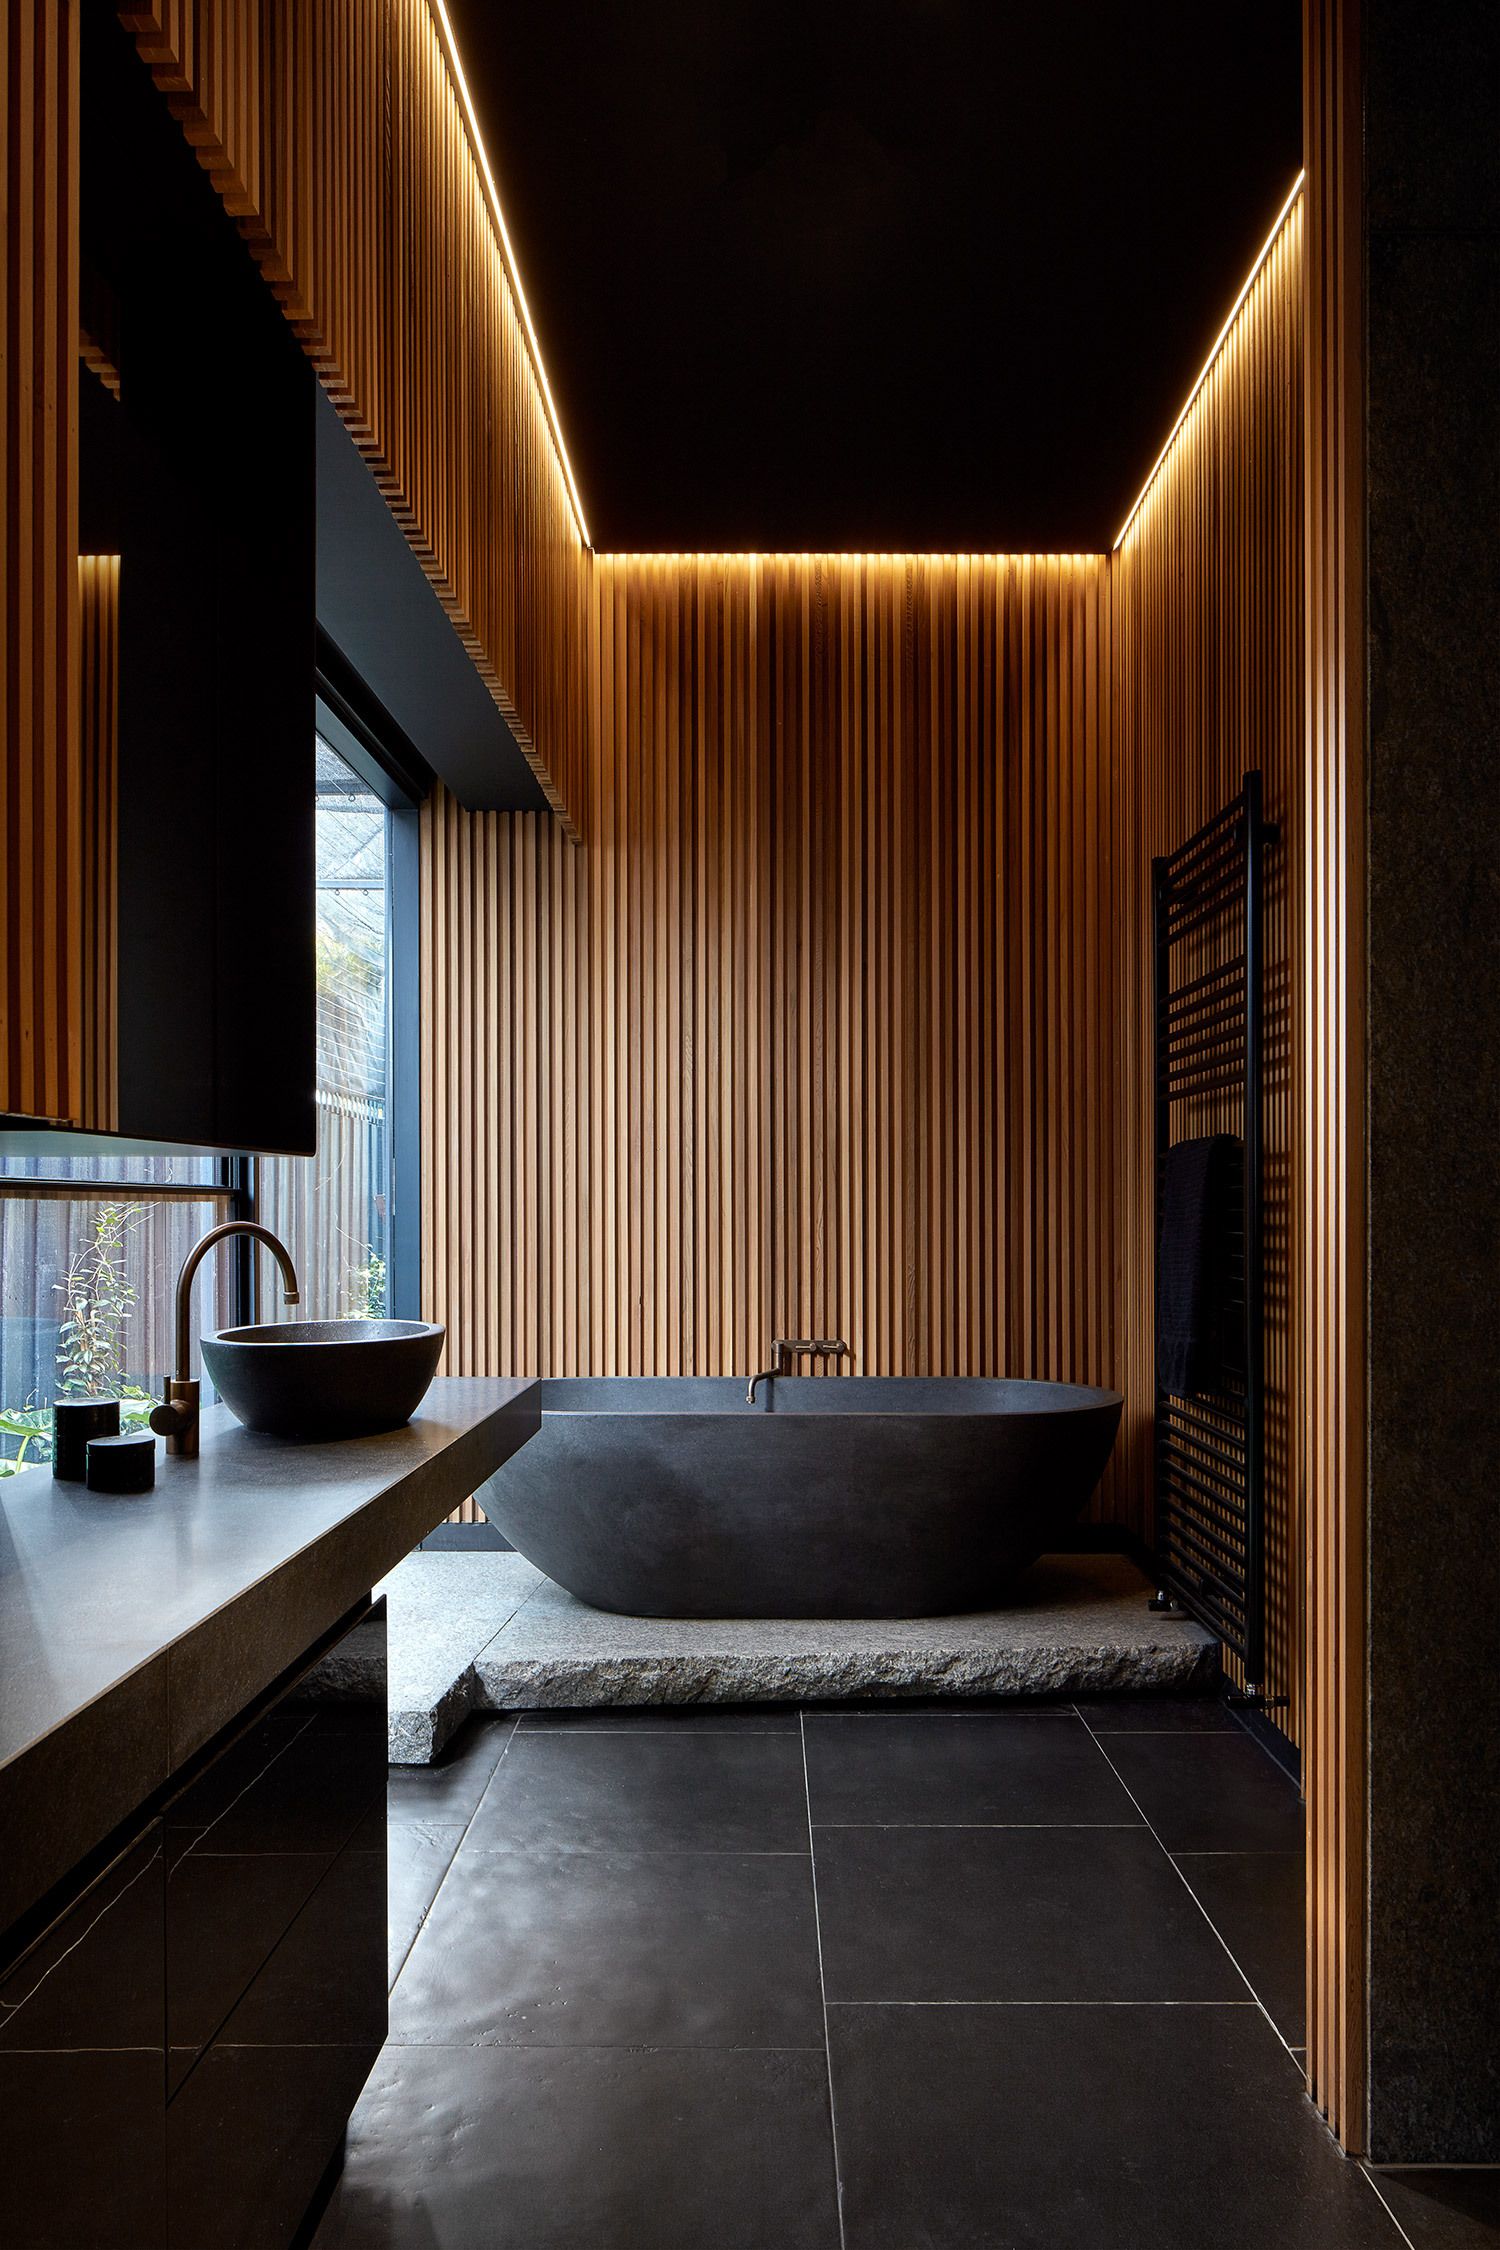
(1208, 638)
(942, 960)
(41, 832)
(99, 656)
(817, 1032)
(1333, 921)
(334, 131)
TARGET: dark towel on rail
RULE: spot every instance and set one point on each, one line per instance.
(1193, 1264)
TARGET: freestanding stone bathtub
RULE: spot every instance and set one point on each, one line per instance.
(852, 1496)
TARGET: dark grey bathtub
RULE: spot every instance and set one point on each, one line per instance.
(830, 1497)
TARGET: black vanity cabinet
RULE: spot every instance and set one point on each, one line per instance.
(181, 2047)
(83, 2124)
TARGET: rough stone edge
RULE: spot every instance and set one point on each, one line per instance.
(571, 1682)
(416, 1738)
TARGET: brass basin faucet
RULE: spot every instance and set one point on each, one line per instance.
(176, 1419)
(784, 1349)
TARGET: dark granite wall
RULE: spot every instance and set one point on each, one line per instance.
(1433, 370)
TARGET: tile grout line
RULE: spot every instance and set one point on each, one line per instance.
(447, 1871)
(1192, 1894)
(1123, 1827)
(1374, 2186)
(833, 2124)
(1252, 2002)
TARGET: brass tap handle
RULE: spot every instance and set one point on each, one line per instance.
(176, 1419)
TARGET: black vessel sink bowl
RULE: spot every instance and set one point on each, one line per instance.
(324, 1378)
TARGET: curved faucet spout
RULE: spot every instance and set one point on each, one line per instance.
(176, 1419)
(292, 1295)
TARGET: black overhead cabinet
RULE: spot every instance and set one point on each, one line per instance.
(197, 470)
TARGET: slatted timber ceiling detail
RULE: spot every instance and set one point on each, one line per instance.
(334, 132)
(99, 730)
(1208, 635)
(816, 1034)
(41, 829)
(1333, 1228)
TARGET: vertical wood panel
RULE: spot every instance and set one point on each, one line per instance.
(1207, 586)
(41, 828)
(838, 1019)
(1333, 921)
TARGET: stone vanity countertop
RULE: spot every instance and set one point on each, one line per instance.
(132, 1629)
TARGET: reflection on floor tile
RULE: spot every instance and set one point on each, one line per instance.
(496, 2148)
(420, 1852)
(616, 1949)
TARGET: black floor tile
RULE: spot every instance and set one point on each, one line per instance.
(1085, 2129)
(927, 1769)
(419, 1855)
(1157, 1714)
(450, 1789)
(667, 1718)
(493, 2148)
(1445, 2210)
(678, 1790)
(1005, 1914)
(1255, 1902)
(607, 1949)
(944, 1707)
(1209, 1792)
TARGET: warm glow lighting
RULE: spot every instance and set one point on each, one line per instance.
(450, 45)
(1245, 288)
(840, 555)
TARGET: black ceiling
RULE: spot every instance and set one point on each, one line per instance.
(878, 273)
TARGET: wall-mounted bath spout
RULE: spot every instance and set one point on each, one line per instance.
(784, 1349)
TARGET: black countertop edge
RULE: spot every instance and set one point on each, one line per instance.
(133, 1631)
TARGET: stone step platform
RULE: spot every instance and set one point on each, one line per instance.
(486, 1631)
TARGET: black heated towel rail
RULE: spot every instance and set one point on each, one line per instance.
(1210, 1466)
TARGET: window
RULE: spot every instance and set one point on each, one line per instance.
(91, 1243)
(90, 1248)
(333, 1212)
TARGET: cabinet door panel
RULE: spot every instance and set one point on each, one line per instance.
(82, 2069)
(276, 1966)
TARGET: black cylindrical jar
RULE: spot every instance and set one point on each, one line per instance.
(122, 1464)
(74, 1422)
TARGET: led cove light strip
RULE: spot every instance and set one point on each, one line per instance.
(476, 139)
(492, 193)
(1203, 372)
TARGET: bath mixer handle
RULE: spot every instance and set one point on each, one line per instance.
(785, 1349)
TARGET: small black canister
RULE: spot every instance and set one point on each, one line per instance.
(122, 1464)
(74, 1422)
